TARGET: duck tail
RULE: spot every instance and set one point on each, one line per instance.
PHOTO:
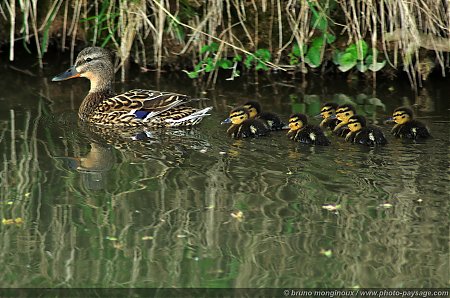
(191, 119)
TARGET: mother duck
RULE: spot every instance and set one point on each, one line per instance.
(136, 107)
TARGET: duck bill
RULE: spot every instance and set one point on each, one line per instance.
(389, 120)
(226, 121)
(286, 127)
(68, 74)
(318, 116)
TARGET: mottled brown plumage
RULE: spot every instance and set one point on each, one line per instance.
(136, 107)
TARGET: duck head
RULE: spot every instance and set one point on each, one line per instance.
(237, 116)
(297, 121)
(93, 63)
(402, 115)
(356, 123)
(328, 110)
(344, 112)
(253, 107)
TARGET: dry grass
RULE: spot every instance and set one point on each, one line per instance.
(158, 31)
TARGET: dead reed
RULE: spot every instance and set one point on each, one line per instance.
(158, 32)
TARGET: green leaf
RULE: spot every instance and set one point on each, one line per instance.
(224, 63)
(204, 49)
(362, 49)
(248, 60)
(361, 66)
(317, 42)
(263, 54)
(192, 74)
(377, 66)
(299, 51)
(337, 56)
(347, 59)
(314, 56)
(330, 37)
(237, 58)
(261, 66)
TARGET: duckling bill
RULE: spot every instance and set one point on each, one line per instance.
(361, 133)
(242, 126)
(407, 127)
(301, 131)
(272, 120)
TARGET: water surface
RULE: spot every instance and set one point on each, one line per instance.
(165, 210)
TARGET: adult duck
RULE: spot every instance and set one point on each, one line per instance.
(136, 107)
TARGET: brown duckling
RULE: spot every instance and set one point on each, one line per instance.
(272, 120)
(242, 126)
(301, 131)
(328, 113)
(361, 133)
(407, 127)
(343, 113)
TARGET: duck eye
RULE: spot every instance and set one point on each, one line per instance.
(242, 117)
(88, 59)
(346, 114)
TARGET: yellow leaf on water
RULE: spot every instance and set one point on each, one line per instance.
(239, 215)
(326, 252)
(331, 207)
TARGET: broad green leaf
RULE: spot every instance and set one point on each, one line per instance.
(347, 59)
(204, 49)
(313, 56)
(248, 60)
(299, 51)
(330, 37)
(261, 66)
(192, 74)
(362, 49)
(361, 66)
(337, 56)
(346, 67)
(237, 58)
(377, 66)
(317, 42)
(264, 54)
(224, 63)
(319, 21)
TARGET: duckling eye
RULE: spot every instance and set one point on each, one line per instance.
(403, 116)
(346, 114)
(242, 117)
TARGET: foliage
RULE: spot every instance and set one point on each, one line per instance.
(360, 55)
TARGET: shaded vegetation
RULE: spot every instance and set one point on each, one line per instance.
(288, 35)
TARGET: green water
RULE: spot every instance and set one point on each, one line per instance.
(158, 212)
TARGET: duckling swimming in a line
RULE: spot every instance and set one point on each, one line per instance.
(242, 126)
(407, 127)
(271, 119)
(343, 113)
(328, 113)
(360, 133)
(300, 131)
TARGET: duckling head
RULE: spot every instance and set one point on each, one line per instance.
(297, 121)
(93, 63)
(344, 112)
(402, 115)
(237, 116)
(356, 123)
(254, 108)
(328, 110)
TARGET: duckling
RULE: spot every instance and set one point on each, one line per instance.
(243, 126)
(407, 127)
(271, 119)
(328, 113)
(343, 113)
(300, 131)
(137, 107)
(361, 133)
